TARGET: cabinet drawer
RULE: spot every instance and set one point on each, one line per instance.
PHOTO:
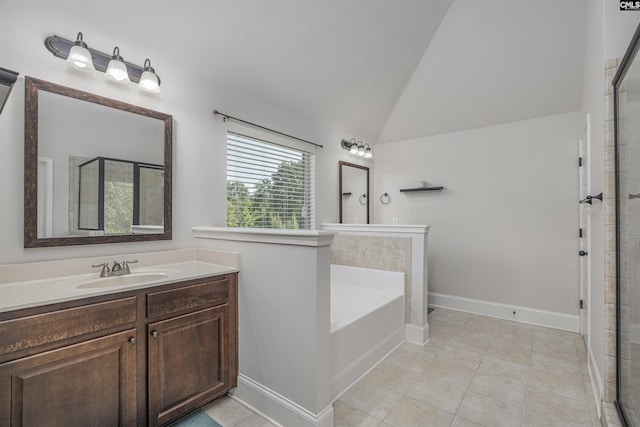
(34, 333)
(188, 298)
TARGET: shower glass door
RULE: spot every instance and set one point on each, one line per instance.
(627, 128)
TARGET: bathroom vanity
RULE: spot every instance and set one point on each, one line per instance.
(136, 357)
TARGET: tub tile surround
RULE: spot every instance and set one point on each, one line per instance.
(376, 252)
(401, 248)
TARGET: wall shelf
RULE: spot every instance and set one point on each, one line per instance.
(407, 190)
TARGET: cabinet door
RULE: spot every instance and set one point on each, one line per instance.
(188, 362)
(88, 384)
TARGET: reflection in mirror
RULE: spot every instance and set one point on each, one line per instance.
(354, 193)
(96, 170)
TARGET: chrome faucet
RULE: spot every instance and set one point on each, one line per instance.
(118, 269)
(105, 269)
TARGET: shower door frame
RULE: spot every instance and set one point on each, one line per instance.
(625, 64)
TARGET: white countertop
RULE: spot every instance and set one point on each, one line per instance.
(32, 293)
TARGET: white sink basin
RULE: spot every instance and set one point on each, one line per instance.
(124, 280)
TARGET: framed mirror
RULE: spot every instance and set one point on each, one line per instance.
(96, 170)
(354, 193)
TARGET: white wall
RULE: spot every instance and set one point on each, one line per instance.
(504, 228)
(199, 188)
(284, 321)
(593, 104)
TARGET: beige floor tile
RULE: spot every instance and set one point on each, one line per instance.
(554, 336)
(437, 342)
(509, 350)
(254, 420)
(453, 329)
(411, 357)
(544, 408)
(443, 395)
(461, 357)
(501, 380)
(461, 422)
(346, 416)
(391, 376)
(409, 412)
(523, 331)
(478, 346)
(485, 323)
(559, 351)
(487, 411)
(445, 371)
(440, 315)
(545, 380)
(227, 412)
(371, 398)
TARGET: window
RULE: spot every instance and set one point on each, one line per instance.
(268, 185)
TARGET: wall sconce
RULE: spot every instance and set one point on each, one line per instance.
(357, 148)
(79, 56)
(7, 79)
(117, 69)
(82, 57)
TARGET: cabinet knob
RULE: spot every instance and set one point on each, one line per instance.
(154, 334)
(133, 340)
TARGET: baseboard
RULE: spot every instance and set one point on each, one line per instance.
(278, 408)
(596, 380)
(534, 316)
(344, 379)
(416, 334)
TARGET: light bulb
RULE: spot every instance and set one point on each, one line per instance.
(368, 154)
(354, 146)
(117, 69)
(149, 81)
(360, 149)
(79, 56)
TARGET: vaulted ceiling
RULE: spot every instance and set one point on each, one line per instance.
(384, 70)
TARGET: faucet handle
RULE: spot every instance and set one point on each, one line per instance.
(125, 264)
(105, 268)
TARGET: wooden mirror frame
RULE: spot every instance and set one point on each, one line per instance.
(342, 163)
(31, 240)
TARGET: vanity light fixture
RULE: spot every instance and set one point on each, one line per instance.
(368, 154)
(7, 80)
(79, 55)
(149, 81)
(117, 69)
(82, 57)
(354, 146)
(357, 148)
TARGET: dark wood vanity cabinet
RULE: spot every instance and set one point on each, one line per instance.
(87, 384)
(136, 358)
(188, 362)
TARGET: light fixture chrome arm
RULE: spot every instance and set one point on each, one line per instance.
(60, 48)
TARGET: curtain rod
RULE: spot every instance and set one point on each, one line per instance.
(226, 116)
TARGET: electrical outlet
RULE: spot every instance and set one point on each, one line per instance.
(514, 313)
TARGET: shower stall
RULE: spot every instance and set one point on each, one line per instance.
(627, 148)
(115, 195)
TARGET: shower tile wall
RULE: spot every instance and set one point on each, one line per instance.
(376, 252)
(610, 238)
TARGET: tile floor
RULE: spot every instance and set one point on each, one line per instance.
(475, 371)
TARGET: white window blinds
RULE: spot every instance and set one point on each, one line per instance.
(268, 185)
